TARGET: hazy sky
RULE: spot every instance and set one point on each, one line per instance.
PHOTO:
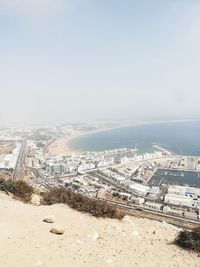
(75, 60)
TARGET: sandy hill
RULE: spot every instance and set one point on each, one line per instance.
(25, 240)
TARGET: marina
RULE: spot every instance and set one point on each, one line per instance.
(190, 178)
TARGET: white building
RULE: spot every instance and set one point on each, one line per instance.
(139, 188)
(180, 200)
(183, 191)
(138, 200)
(9, 161)
(152, 205)
(154, 190)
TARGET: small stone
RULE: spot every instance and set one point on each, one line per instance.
(135, 233)
(109, 261)
(36, 200)
(49, 219)
(39, 264)
(95, 237)
(58, 230)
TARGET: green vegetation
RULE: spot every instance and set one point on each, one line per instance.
(189, 240)
(19, 189)
(97, 208)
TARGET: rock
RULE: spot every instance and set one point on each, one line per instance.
(79, 241)
(109, 261)
(49, 219)
(94, 236)
(39, 264)
(36, 200)
(58, 230)
(135, 233)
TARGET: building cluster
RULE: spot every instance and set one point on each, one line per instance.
(85, 184)
(81, 163)
(179, 201)
(11, 135)
(9, 161)
(121, 173)
(176, 200)
(183, 196)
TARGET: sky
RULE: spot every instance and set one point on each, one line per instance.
(88, 60)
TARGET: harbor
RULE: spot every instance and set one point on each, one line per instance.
(190, 178)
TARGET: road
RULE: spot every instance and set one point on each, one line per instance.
(121, 187)
(111, 182)
(20, 161)
(143, 212)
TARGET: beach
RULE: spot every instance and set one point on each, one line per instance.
(60, 145)
(178, 136)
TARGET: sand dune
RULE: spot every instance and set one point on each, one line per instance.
(25, 240)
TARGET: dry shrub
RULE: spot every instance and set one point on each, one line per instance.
(189, 240)
(19, 189)
(97, 208)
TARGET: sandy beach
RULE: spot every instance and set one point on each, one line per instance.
(26, 241)
(61, 144)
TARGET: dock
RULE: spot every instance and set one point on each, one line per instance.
(164, 150)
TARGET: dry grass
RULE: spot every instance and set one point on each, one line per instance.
(97, 208)
(189, 240)
(19, 189)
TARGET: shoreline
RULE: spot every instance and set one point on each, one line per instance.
(60, 146)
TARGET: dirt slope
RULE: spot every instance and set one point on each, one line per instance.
(25, 240)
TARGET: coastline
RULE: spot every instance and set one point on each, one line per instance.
(61, 144)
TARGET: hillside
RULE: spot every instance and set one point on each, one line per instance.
(25, 240)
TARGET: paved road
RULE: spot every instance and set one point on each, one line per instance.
(120, 186)
(156, 215)
(20, 161)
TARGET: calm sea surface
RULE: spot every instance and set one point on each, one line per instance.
(180, 177)
(180, 137)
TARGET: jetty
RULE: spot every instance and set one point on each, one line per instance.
(164, 150)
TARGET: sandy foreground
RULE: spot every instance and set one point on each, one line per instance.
(25, 240)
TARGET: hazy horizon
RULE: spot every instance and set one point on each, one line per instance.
(69, 61)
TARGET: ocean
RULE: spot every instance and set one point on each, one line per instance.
(179, 137)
